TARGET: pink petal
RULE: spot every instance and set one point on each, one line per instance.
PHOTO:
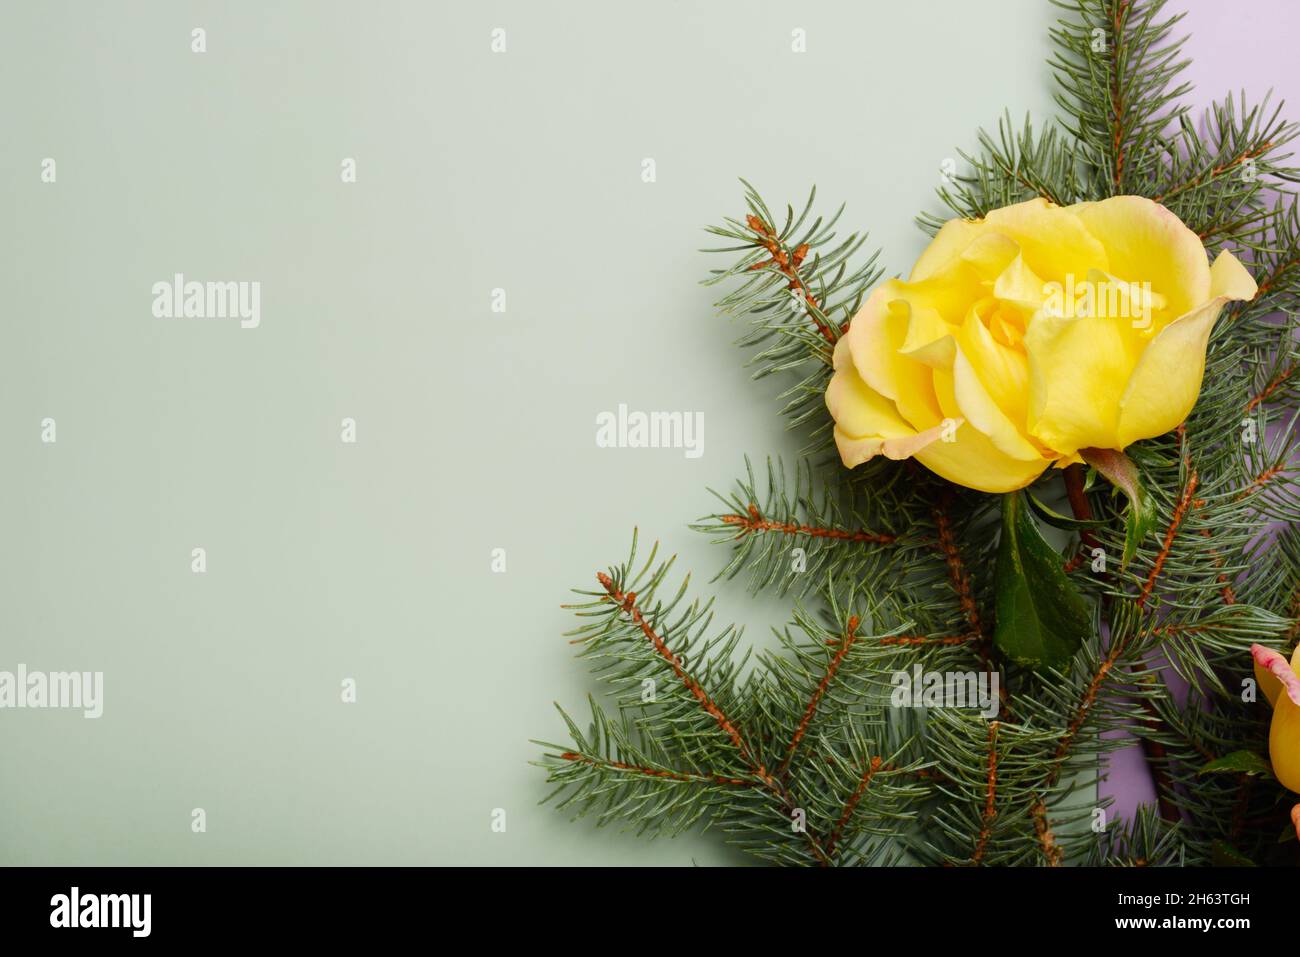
(1277, 665)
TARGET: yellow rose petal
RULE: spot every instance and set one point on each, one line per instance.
(1003, 369)
(1147, 243)
(856, 407)
(929, 338)
(989, 254)
(866, 423)
(1229, 279)
(1053, 240)
(1167, 378)
(875, 339)
(973, 461)
(1028, 335)
(946, 248)
(1019, 284)
(1078, 370)
(870, 343)
(949, 291)
(979, 409)
(1284, 743)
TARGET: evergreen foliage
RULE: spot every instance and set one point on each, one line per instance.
(797, 756)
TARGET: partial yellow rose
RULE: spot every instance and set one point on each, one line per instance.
(1028, 335)
(1281, 685)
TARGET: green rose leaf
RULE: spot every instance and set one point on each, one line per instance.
(1240, 762)
(1041, 617)
(1057, 520)
(1119, 469)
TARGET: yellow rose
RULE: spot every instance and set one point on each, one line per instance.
(1028, 335)
(1281, 686)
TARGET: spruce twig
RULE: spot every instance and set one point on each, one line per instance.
(797, 754)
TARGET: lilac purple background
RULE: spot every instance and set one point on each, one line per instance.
(1233, 46)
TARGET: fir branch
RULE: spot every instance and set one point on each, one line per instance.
(851, 805)
(1144, 841)
(990, 801)
(891, 574)
(1220, 182)
(1283, 377)
(798, 286)
(753, 523)
(845, 645)
(958, 574)
(800, 528)
(1052, 852)
(1185, 502)
(661, 773)
(1009, 167)
(1117, 65)
(787, 262)
(627, 604)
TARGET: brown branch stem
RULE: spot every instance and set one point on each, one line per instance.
(626, 601)
(754, 521)
(1153, 751)
(787, 262)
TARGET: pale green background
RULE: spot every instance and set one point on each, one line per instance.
(476, 430)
